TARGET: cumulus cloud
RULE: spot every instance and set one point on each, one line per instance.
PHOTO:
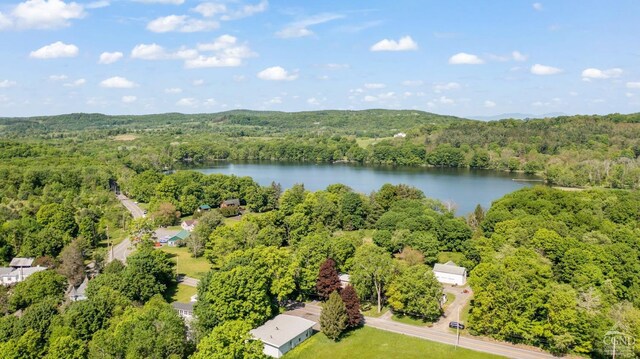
(55, 50)
(301, 28)
(98, 4)
(538, 69)
(76, 83)
(43, 14)
(445, 100)
(370, 98)
(633, 85)
(148, 52)
(129, 99)
(446, 87)
(489, 104)
(462, 58)
(198, 82)
(537, 6)
(187, 102)
(210, 9)
(518, 56)
(170, 2)
(375, 86)
(276, 73)
(117, 82)
(181, 23)
(5, 21)
(313, 101)
(405, 43)
(173, 90)
(593, 73)
(246, 11)
(7, 83)
(226, 53)
(110, 57)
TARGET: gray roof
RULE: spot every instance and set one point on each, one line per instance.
(5, 270)
(182, 306)
(80, 290)
(282, 329)
(450, 268)
(232, 202)
(21, 262)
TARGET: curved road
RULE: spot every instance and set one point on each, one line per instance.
(312, 312)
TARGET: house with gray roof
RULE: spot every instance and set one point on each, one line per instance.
(19, 262)
(185, 310)
(283, 333)
(10, 276)
(450, 273)
(77, 293)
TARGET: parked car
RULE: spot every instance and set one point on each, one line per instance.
(456, 325)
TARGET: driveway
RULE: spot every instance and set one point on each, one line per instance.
(451, 309)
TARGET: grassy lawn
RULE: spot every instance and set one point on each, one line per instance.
(372, 343)
(192, 267)
(444, 257)
(411, 321)
(450, 298)
(366, 142)
(180, 293)
(373, 312)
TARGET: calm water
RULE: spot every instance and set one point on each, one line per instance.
(465, 187)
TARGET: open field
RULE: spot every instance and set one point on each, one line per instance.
(372, 343)
(187, 265)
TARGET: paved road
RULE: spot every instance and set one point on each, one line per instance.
(312, 312)
(191, 282)
(123, 249)
(451, 311)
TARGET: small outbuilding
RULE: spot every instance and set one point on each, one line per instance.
(18, 262)
(189, 225)
(283, 333)
(450, 273)
(345, 279)
(204, 207)
(234, 202)
(178, 238)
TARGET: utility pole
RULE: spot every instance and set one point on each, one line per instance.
(110, 242)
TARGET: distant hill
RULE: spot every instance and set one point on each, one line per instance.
(516, 116)
(366, 122)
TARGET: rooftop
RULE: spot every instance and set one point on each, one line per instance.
(232, 202)
(182, 235)
(21, 262)
(182, 306)
(449, 267)
(282, 329)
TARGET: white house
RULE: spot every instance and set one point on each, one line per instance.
(189, 225)
(345, 279)
(185, 310)
(78, 293)
(400, 135)
(10, 276)
(450, 273)
(283, 333)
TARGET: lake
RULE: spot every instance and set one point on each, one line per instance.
(465, 187)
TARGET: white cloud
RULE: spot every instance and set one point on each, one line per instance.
(593, 73)
(246, 11)
(5, 21)
(76, 83)
(187, 102)
(7, 83)
(173, 90)
(489, 104)
(370, 98)
(171, 2)
(375, 86)
(538, 69)
(300, 28)
(55, 50)
(227, 53)
(129, 99)
(274, 101)
(462, 58)
(405, 43)
(446, 87)
(110, 57)
(313, 101)
(220, 43)
(148, 52)
(212, 61)
(46, 14)
(445, 100)
(58, 77)
(412, 82)
(210, 9)
(336, 66)
(276, 73)
(198, 82)
(518, 56)
(98, 4)
(181, 23)
(537, 6)
(118, 82)
(633, 85)
(209, 102)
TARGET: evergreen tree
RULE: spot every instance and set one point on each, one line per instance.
(328, 279)
(352, 305)
(333, 319)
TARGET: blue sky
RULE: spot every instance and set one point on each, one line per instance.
(461, 58)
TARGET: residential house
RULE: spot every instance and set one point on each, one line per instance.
(178, 238)
(450, 273)
(19, 262)
(283, 333)
(10, 276)
(204, 207)
(185, 310)
(189, 225)
(77, 293)
(234, 202)
(400, 135)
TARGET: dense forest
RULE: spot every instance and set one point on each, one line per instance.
(550, 268)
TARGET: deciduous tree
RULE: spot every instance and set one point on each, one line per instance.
(352, 305)
(328, 279)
